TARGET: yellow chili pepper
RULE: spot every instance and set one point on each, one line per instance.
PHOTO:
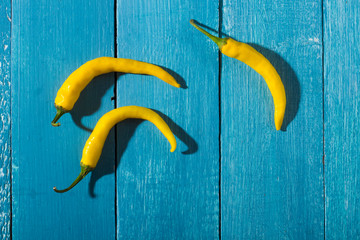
(95, 143)
(70, 91)
(248, 55)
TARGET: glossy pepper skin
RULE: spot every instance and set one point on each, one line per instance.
(95, 143)
(70, 91)
(248, 55)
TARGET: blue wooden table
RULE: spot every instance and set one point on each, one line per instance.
(233, 175)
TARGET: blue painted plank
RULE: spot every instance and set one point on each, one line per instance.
(163, 195)
(50, 39)
(272, 181)
(341, 92)
(5, 33)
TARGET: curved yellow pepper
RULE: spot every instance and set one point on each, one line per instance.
(95, 143)
(70, 91)
(248, 55)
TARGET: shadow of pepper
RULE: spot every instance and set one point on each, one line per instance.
(290, 81)
(107, 165)
(179, 79)
(124, 131)
(180, 133)
(90, 99)
(286, 73)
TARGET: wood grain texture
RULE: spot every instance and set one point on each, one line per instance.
(5, 85)
(163, 195)
(50, 39)
(341, 91)
(272, 181)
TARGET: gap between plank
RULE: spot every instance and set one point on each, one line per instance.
(323, 110)
(10, 129)
(115, 127)
(219, 89)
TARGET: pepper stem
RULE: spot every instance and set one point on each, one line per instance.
(84, 171)
(59, 113)
(219, 41)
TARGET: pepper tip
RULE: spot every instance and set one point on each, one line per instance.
(219, 41)
(84, 171)
(55, 124)
(173, 147)
(59, 112)
(55, 189)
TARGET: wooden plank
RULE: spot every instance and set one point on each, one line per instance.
(50, 40)
(163, 195)
(341, 92)
(5, 85)
(272, 181)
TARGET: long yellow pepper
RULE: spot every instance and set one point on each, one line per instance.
(70, 91)
(95, 143)
(248, 55)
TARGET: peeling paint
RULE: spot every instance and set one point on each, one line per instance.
(315, 39)
(5, 125)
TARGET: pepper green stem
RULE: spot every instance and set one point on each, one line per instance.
(84, 171)
(219, 41)
(59, 112)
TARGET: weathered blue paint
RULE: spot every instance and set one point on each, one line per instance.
(272, 181)
(264, 185)
(5, 200)
(341, 91)
(50, 39)
(163, 195)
